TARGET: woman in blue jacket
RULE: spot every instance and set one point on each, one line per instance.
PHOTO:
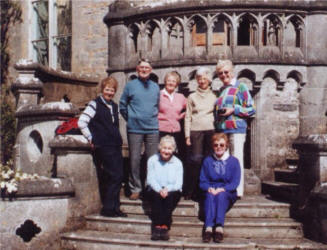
(219, 178)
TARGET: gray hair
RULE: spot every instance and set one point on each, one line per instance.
(203, 71)
(223, 63)
(167, 139)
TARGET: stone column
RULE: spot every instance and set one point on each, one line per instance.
(312, 163)
(312, 198)
(74, 160)
(313, 96)
(26, 88)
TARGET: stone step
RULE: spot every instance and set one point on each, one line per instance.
(247, 207)
(286, 175)
(281, 190)
(192, 227)
(100, 240)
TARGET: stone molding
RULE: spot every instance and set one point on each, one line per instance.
(43, 187)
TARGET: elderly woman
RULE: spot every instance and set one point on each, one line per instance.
(219, 178)
(99, 123)
(165, 179)
(233, 106)
(171, 110)
(199, 127)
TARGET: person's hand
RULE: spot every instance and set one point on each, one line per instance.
(219, 190)
(163, 192)
(188, 141)
(91, 144)
(228, 112)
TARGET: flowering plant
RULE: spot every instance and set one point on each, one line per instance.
(9, 178)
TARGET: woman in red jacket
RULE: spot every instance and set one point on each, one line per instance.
(171, 110)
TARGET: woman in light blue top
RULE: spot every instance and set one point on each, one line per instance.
(165, 179)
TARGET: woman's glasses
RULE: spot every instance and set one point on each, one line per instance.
(222, 145)
(220, 73)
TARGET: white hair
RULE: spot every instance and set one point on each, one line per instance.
(203, 71)
(167, 139)
(223, 63)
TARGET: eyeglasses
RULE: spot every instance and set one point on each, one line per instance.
(226, 72)
(222, 145)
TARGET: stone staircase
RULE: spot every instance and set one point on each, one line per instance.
(285, 187)
(254, 222)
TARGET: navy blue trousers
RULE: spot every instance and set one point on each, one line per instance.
(112, 163)
(216, 207)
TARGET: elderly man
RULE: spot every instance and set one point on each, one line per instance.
(139, 107)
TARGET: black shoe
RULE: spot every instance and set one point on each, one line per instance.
(120, 213)
(164, 234)
(108, 213)
(206, 237)
(156, 233)
(218, 237)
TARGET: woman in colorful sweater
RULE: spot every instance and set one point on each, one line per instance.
(233, 106)
(199, 127)
(172, 108)
(219, 178)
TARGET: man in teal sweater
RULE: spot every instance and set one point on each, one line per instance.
(139, 107)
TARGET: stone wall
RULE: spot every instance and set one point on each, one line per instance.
(90, 37)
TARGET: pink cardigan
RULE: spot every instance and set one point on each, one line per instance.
(171, 112)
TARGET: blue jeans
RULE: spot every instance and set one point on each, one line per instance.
(135, 142)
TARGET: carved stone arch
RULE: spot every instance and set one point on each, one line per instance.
(297, 76)
(132, 77)
(154, 77)
(192, 84)
(295, 30)
(222, 29)
(248, 77)
(175, 35)
(133, 40)
(198, 27)
(153, 39)
(247, 30)
(272, 30)
(272, 74)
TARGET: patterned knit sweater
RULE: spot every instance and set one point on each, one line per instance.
(235, 96)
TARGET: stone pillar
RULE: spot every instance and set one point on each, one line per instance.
(312, 198)
(313, 95)
(26, 88)
(117, 50)
(74, 160)
(312, 163)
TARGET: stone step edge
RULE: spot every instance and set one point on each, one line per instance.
(236, 205)
(280, 184)
(180, 244)
(96, 218)
(76, 236)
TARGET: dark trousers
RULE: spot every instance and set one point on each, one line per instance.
(112, 164)
(162, 208)
(200, 148)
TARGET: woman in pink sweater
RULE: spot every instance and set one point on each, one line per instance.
(171, 110)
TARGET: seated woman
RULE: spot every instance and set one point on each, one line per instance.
(219, 178)
(165, 179)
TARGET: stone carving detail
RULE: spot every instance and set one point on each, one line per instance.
(153, 37)
(28, 230)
